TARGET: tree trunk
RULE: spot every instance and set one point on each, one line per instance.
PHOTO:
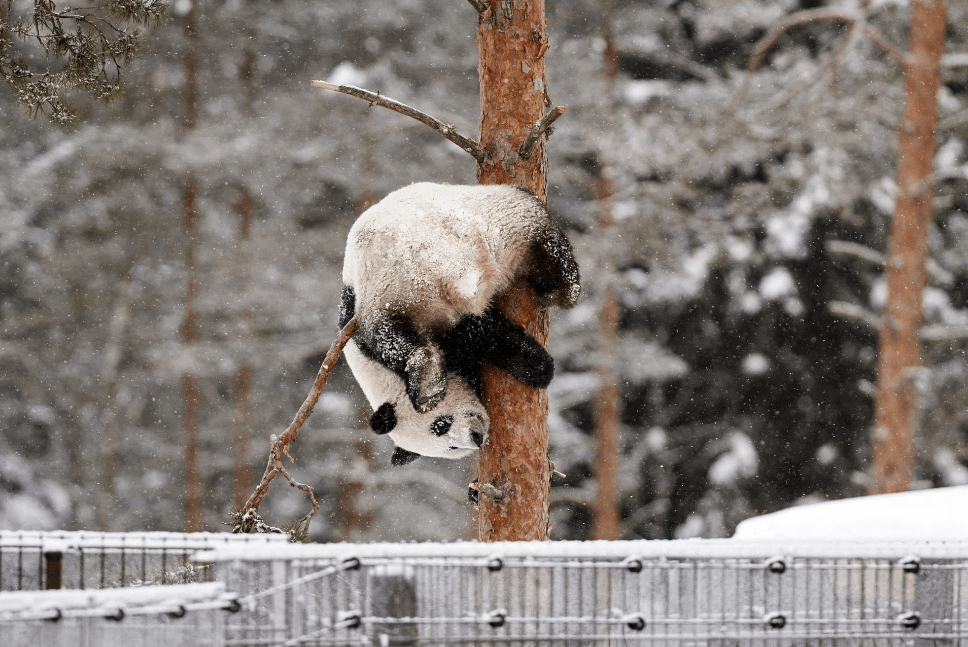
(896, 405)
(243, 374)
(606, 509)
(512, 38)
(193, 485)
(606, 513)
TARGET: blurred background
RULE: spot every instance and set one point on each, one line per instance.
(169, 268)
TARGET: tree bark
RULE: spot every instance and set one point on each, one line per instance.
(193, 482)
(606, 508)
(606, 512)
(895, 413)
(512, 39)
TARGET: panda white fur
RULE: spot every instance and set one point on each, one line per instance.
(421, 271)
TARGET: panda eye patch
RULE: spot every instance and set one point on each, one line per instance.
(384, 420)
(441, 425)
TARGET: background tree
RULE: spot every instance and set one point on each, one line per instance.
(896, 408)
(80, 50)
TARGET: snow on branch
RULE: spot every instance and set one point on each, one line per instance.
(248, 519)
(857, 314)
(849, 249)
(541, 127)
(857, 24)
(872, 322)
(374, 98)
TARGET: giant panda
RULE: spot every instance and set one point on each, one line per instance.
(421, 272)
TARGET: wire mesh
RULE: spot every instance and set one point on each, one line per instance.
(173, 616)
(97, 560)
(657, 593)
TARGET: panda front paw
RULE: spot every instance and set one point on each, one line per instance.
(426, 379)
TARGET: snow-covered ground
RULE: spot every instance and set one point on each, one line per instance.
(922, 515)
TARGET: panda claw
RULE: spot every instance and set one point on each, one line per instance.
(425, 403)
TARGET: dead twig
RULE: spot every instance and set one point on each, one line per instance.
(540, 128)
(376, 99)
(496, 494)
(479, 5)
(248, 518)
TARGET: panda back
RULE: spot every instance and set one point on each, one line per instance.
(441, 251)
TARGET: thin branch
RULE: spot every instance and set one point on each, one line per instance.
(829, 66)
(881, 41)
(279, 445)
(469, 145)
(540, 128)
(805, 17)
(479, 5)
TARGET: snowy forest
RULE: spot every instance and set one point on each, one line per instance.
(170, 265)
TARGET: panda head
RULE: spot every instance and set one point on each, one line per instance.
(455, 428)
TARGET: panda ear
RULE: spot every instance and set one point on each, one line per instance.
(402, 457)
(384, 419)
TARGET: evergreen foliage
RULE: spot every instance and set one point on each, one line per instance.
(49, 52)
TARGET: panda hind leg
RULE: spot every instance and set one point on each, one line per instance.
(553, 271)
(420, 363)
(504, 344)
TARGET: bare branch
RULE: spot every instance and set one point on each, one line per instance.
(807, 16)
(829, 66)
(479, 5)
(540, 128)
(469, 145)
(881, 41)
(279, 445)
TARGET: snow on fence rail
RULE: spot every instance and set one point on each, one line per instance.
(670, 593)
(173, 615)
(35, 560)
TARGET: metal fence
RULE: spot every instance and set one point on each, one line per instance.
(678, 593)
(693, 593)
(180, 615)
(36, 560)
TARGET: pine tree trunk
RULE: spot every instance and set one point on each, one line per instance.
(193, 481)
(606, 513)
(606, 509)
(896, 405)
(243, 374)
(512, 39)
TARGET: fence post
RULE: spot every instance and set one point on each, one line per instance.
(54, 560)
(393, 595)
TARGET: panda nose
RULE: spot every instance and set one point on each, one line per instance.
(477, 437)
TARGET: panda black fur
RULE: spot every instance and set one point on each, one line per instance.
(421, 271)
